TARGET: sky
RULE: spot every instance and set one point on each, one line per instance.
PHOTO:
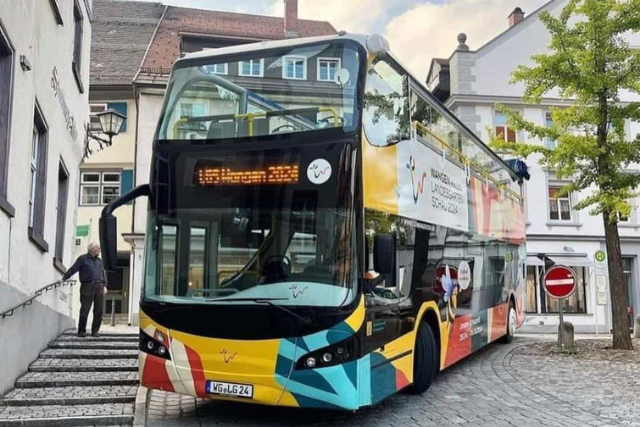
(417, 30)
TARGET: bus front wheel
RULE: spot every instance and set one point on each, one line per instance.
(425, 360)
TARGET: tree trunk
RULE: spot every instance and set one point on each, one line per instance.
(618, 287)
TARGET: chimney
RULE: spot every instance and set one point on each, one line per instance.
(290, 18)
(516, 16)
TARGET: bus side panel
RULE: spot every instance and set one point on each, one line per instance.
(469, 333)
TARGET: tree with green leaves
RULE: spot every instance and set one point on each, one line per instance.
(590, 63)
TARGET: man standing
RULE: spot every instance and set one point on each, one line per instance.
(93, 287)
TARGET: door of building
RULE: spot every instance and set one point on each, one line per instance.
(627, 267)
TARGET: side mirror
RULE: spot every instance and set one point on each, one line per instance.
(109, 226)
(109, 241)
(384, 253)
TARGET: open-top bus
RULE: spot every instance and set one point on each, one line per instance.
(322, 232)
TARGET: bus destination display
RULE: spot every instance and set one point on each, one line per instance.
(209, 176)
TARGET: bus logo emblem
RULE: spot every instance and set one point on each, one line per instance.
(228, 357)
(417, 183)
(319, 171)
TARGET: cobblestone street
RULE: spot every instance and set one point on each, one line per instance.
(512, 385)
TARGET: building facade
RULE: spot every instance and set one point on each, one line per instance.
(44, 81)
(122, 31)
(472, 83)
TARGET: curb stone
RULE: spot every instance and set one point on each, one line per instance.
(140, 407)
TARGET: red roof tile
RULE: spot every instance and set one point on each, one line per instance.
(164, 49)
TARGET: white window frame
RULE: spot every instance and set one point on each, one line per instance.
(548, 143)
(295, 58)
(92, 114)
(100, 185)
(505, 126)
(320, 60)
(571, 219)
(221, 73)
(251, 61)
(104, 184)
(35, 142)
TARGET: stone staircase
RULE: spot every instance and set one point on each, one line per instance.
(77, 382)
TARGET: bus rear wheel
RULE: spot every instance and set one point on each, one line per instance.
(511, 324)
(425, 360)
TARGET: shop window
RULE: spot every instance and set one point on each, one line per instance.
(576, 303)
(532, 284)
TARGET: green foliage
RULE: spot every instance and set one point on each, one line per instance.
(590, 64)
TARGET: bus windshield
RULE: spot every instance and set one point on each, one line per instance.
(251, 225)
(298, 89)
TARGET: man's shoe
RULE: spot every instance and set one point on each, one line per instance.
(96, 335)
(82, 334)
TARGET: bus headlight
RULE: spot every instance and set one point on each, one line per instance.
(335, 354)
(154, 346)
(311, 362)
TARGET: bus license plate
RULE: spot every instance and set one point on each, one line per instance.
(229, 389)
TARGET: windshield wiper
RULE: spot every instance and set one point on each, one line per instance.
(304, 320)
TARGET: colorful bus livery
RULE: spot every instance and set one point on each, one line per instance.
(321, 231)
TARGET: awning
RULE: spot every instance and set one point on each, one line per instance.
(534, 261)
(572, 261)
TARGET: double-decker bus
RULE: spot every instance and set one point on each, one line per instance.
(322, 232)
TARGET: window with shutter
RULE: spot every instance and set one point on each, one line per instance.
(120, 107)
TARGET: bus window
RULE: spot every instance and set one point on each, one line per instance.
(263, 94)
(196, 257)
(386, 105)
(168, 260)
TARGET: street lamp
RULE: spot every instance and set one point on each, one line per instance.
(110, 124)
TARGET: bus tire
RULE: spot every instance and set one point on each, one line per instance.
(511, 324)
(425, 360)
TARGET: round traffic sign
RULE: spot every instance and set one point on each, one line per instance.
(559, 281)
(600, 256)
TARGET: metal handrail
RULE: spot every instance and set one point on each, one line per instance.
(9, 312)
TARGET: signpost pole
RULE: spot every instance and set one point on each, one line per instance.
(561, 303)
(560, 283)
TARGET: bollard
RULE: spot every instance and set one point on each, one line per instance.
(567, 334)
(636, 327)
(113, 312)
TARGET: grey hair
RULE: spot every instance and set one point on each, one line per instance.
(92, 245)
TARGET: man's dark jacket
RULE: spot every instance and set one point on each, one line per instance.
(90, 268)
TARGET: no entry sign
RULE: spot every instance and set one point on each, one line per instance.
(560, 282)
